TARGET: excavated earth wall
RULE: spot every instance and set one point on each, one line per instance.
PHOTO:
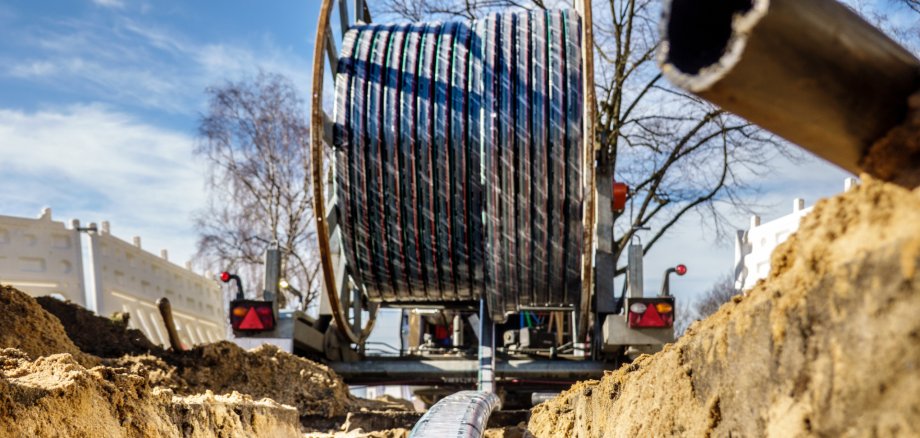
(67, 372)
(828, 345)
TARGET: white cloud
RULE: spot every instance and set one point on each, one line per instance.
(129, 62)
(32, 69)
(110, 3)
(93, 163)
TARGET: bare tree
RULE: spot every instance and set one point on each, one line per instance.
(720, 293)
(706, 304)
(913, 4)
(679, 154)
(256, 142)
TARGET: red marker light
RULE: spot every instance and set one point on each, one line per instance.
(225, 276)
(680, 269)
(251, 315)
(251, 321)
(651, 313)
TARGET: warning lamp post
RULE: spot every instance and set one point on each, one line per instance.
(666, 284)
(226, 277)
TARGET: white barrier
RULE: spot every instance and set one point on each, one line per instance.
(42, 257)
(754, 247)
(129, 279)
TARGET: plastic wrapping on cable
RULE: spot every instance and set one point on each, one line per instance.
(462, 414)
(459, 160)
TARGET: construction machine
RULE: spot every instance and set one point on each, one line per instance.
(503, 277)
(466, 188)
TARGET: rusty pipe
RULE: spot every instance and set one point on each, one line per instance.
(170, 323)
(812, 72)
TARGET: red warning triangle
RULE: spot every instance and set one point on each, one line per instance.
(651, 318)
(251, 321)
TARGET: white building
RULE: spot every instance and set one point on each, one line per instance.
(754, 246)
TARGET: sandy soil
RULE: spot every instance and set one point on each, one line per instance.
(223, 367)
(100, 337)
(27, 327)
(828, 345)
(56, 396)
(114, 380)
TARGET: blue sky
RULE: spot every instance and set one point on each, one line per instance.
(99, 103)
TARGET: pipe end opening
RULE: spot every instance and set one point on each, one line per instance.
(699, 32)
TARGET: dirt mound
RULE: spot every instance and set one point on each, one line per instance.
(232, 415)
(828, 345)
(311, 392)
(222, 367)
(266, 371)
(27, 327)
(396, 403)
(56, 396)
(96, 335)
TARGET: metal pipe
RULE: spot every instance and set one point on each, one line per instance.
(463, 414)
(812, 72)
(457, 337)
(666, 283)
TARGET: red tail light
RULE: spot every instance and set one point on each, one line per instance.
(225, 276)
(680, 269)
(651, 312)
(252, 316)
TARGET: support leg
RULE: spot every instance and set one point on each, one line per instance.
(486, 349)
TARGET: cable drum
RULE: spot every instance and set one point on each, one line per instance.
(459, 160)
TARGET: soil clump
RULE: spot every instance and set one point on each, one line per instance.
(96, 335)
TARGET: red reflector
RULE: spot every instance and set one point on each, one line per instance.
(252, 315)
(251, 321)
(225, 276)
(650, 318)
(680, 269)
